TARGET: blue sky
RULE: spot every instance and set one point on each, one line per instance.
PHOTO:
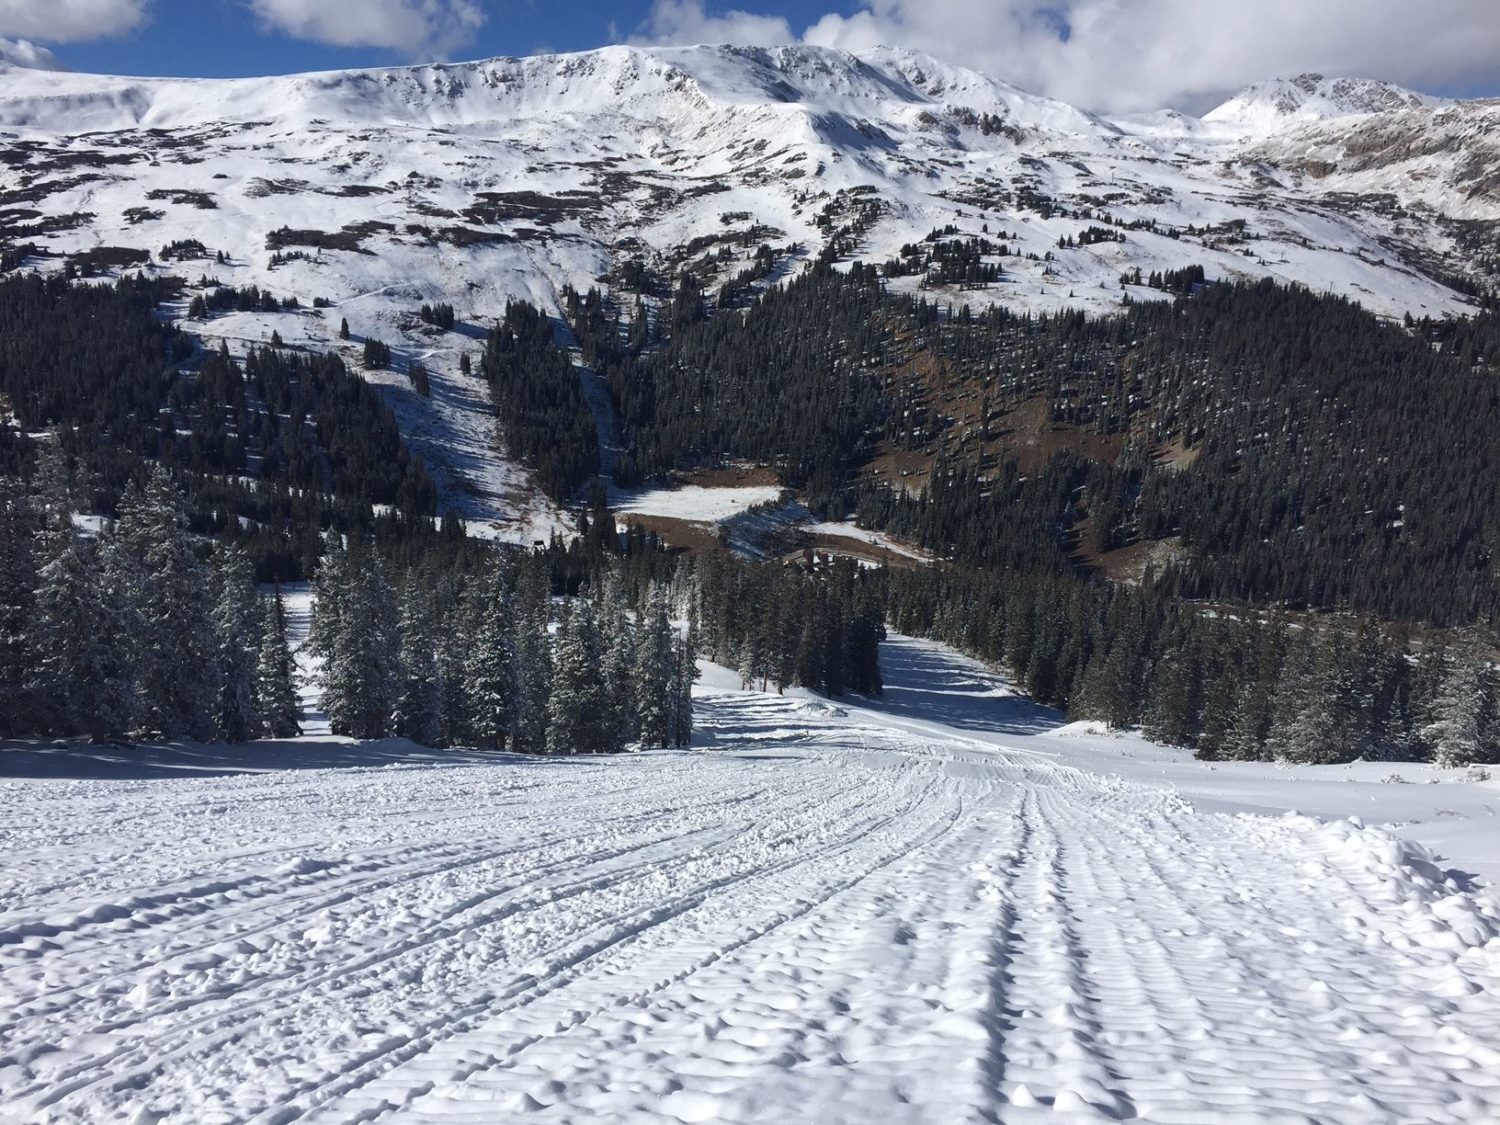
(223, 38)
(1112, 55)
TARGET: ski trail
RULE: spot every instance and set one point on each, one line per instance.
(838, 915)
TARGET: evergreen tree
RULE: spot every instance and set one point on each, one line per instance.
(532, 661)
(577, 716)
(236, 625)
(167, 585)
(1455, 732)
(360, 668)
(490, 673)
(658, 677)
(20, 527)
(623, 701)
(83, 634)
(682, 696)
(418, 690)
(275, 685)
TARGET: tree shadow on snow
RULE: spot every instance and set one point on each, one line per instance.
(115, 762)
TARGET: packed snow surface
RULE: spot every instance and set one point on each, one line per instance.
(696, 503)
(942, 907)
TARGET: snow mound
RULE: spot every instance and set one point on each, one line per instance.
(1433, 910)
(1085, 728)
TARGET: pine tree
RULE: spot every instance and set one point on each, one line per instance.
(657, 677)
(167, 585)
(84, 631)
(489, 673)
(1455, 732)
(682, 696)
(532, 665)
(236, 627)
(20, 527)
(360, 669)
(275, 685)
(618, 640)
(1170, 719)
(417, 703)
(577, 718)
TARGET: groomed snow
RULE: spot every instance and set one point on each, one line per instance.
(921, 910)
(696, 503)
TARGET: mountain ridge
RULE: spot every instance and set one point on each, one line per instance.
(378, 191)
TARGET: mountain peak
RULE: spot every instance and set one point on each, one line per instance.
(1267, 106)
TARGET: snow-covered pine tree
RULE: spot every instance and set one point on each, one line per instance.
(532, 649)
(1246, 737)
(236, 635)
(682, 696)
(167, 586)
(577, 718)
(657, 675)
(1287, 738)
(1170, 719)
(618, 641)
(1455, 733)
(417, 703)
(490, 672)
(360, 673)
(1307, 714)
(20, 526)
(83, 630)
(275, 684)
(451, 641)
(330, 597)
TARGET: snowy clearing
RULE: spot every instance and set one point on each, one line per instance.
(920, 911)
(696, 503)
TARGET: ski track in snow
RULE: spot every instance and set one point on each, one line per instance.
(833, 916)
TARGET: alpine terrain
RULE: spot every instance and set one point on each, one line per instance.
(717, 584)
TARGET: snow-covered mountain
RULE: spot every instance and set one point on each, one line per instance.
(1267, 107)
(380, 190)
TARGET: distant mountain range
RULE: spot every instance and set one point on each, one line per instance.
(380, 190)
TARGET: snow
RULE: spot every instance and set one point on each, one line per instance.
(846, 530)
(943, 906)
(1267, 107)
(640, 152)
(696, 503)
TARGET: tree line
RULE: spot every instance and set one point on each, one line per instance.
(491, 660)
(1298, 450)
(269, 449)
(139, 630)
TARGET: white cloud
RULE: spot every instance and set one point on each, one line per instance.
(686, 21)
(1122, 55)
(70, 21)
(417, 27)
(22, 52)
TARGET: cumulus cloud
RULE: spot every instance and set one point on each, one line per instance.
(686, 22)
(70, 21)
(1125, 55)
(22, 52)
(417, 27)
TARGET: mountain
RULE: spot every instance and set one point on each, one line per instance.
(1266, 107)
(373, 192)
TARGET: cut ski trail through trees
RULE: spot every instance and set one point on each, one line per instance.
(838, 914)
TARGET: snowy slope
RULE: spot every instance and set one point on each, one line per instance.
(1267, 107)
(475, 183)
(917, 911)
